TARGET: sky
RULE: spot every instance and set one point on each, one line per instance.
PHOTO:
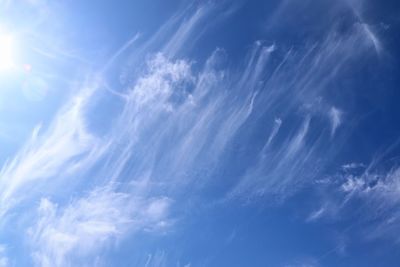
(199, 133)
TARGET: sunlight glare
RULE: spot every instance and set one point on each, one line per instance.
(6, 52)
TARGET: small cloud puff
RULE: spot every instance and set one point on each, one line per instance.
(335, 116)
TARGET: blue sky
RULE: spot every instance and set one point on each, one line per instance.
(204, 133)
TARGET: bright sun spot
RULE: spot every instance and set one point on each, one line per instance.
(6, 52)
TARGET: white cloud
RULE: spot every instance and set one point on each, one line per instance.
(275, 129)
(161, 259)
(379, 192)
(370, 38)
(293, 89)
(66, 146)
(316, 214)
(162, 78)
(67, 236)
(157, 259)
(353, 184)
(336, 119)
(184, 31)
(297, 142)
(68, 149)
(158, 208)
(384, 188)
(174, 128)
(276, 172)
(352, 166)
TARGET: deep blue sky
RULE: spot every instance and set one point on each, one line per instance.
(203, 133)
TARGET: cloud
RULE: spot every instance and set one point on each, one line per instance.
(65, 147)
(315, 215)
(372, 37)
(358, 8)
(380, 194)
(378, 191)
(179, 123)
(68, 149)
(352, 166)
(216, 100)
(162, 259)
(384, 188)
(275, 129)
(353, 184)
(274, 172)
(335, 116)
(184, 31)
(298, 141)
(157, 259)
(64, 236)
(295, 91)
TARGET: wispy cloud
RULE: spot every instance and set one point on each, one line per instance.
(177, 123)
(378, 215)
(275, 129)
(66, 146)
(295, 92)
(316, 214)
(67, 236)
(371, 38)
(380, 193)
(161, 259)
(336, 119)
